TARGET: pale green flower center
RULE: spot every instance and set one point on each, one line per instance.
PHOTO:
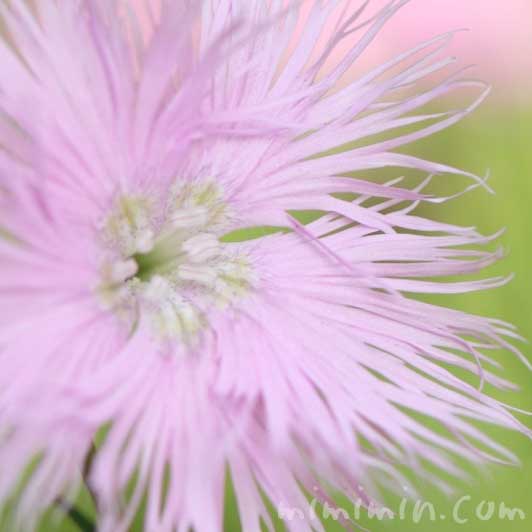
(171, 264)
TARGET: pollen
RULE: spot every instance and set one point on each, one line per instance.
(165, 260)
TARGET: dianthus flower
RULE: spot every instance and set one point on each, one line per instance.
(145, 351)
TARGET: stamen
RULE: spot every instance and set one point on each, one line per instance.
(123, 270)
(202, 274)
(145, 241)
(202, 247)
(193, 217)
(172, 315)
(156, 289)
(174, 268)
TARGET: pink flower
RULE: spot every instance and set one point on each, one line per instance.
(130, 318)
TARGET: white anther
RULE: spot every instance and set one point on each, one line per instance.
(110, 299)
(123, 270)
(204, 275)
(223, 290)
(157, 289)
(170, 320)
(189, 317)
(190, 218)
(177, 318)
(145, 241)
(234, 270)
(202, 247)
(140, 217)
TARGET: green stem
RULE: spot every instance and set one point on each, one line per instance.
(77, 517)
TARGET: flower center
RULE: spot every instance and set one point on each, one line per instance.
(166, 260)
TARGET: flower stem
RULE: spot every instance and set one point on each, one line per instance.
(77, 516)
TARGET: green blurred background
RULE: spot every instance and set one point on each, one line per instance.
(497, 138)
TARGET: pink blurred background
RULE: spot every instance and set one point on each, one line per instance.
(499, 40)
